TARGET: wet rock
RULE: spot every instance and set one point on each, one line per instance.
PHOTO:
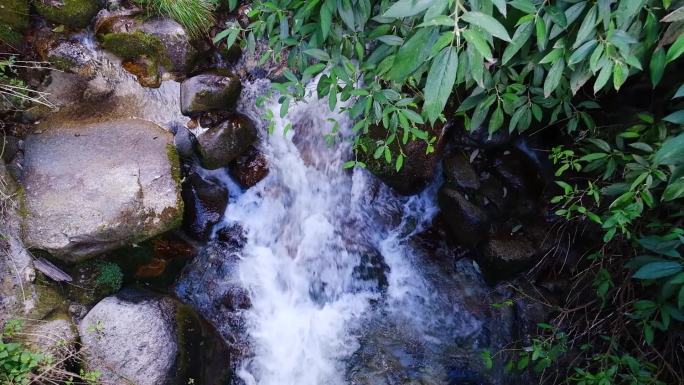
(480, 137)
(213, 118)
(160, 41)
(372, 270)
(14, 19)
(145, 70)
(9, 145)
(459, 172)
(185, 142)
(146, 339)
(522, 180)
(419, 167)
(153, 269)
(209, 92)
(65, 54)
(8, 186)
(249, 168)
(468, 222)
(72, 13)
(505, 255)
(205, 203)
(93, 187)
(219, 145)
(211, 284)
(232, 235)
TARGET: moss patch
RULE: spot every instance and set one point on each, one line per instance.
(135, 44)
(74, 13)
(174, 159)
(14, 15)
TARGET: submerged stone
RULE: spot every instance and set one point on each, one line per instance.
(93, 187)
(72, 13)
(249, 168)
(205, 203)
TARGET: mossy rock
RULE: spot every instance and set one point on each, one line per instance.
(72, 13)
(14, 19)
(94, 280)
(131, 45)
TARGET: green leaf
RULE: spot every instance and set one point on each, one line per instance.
(657, 66)
(412, 54)
(554, 77)
(674, 191)
(672, 151)
(557, 16)
(655, 270)
(407, 8)
(400, 162)
(520, 37)
(620, 72)
(524, 5)
(317, 54)
(476, 38)
(496, 121)
(440, 82)
(626, 11)
(603, 76)
(676, 49)
(676, 117)
(586, 29)
(540, 27)
(679, 93)
(487, 23)
(582, 52)
(326, 17)
(391, 40)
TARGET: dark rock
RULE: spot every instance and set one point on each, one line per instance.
(479, 137)
(213, 118)
(371, 270)
(171, 343)
(419, 167)
(72, 13)
(459, 172)
(505, 255)
(9, 145)
(468, 223)
(205, 203)
(209, 92)
(249, 168)
(219, 145)
(211, 284)
(185, 142)
(65, 54)
(521, 178)
(232, 235)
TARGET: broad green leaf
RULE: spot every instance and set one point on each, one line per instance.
(603, 76)
(526, 6)
(676, 117)
(391, 40)
(657, 66)
(655, 270)
(676, 49)
(674, 191)
(620, 73)
(496, 121)
(412, 54)
(326, 18)
(679, 93)
(552, 56)
(582, 52)
(540, 28)
(317, 54)
(672, 151)
(476, 38)
(407, 8)
(587, 28)
(440, 82)
(626, 11)
(487, 23)
(557, 16)
(501, 6)
(520, 37)
(595, 58)
(571, 14)
(554, 76)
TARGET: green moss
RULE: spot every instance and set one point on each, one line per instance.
(174, 159)
(132, 45)
(48, 299)
(94, 280)
(74, 13)
(14, 15)
(9, 35)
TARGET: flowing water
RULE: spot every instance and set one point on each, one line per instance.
(339, 292)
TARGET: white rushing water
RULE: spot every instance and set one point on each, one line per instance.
(308, 224)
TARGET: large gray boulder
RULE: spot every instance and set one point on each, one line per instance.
(141, 338)
(93, 187)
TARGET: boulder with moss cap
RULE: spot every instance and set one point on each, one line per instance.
(72, 13)
(95, 186)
